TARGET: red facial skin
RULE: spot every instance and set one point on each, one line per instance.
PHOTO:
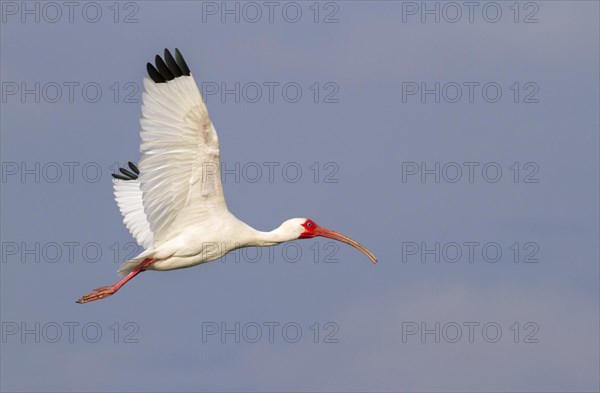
(311, 229)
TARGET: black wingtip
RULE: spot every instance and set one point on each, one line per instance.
(127, 175)
(154, 74)
(163, 69)
(181, 63)
(173, 67)
(169, 68)
(133, 167)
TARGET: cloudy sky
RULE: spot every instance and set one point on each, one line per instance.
(457, 142)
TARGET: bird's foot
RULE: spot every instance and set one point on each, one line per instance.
(97, 294)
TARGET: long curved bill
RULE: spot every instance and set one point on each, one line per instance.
(320, 231)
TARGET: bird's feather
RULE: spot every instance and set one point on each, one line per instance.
(129, 199)
(179, 170)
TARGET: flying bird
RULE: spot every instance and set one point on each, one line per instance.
(173, 203)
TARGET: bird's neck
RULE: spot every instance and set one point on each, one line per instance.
(272, 238)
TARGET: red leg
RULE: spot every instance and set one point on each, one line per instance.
(103, 292)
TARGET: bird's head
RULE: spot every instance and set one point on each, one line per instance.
(304, 228)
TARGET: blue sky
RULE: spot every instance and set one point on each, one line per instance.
(541, 133)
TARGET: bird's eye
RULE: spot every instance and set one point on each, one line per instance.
(309, 224)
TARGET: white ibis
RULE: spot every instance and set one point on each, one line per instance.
(173, 204)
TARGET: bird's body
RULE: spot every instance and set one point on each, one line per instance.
(206, 242)
(173, 204)
(200, 243)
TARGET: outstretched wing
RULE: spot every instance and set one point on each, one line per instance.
(129, 199)
(180, 176)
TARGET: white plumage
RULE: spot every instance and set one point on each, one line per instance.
(129, 199)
